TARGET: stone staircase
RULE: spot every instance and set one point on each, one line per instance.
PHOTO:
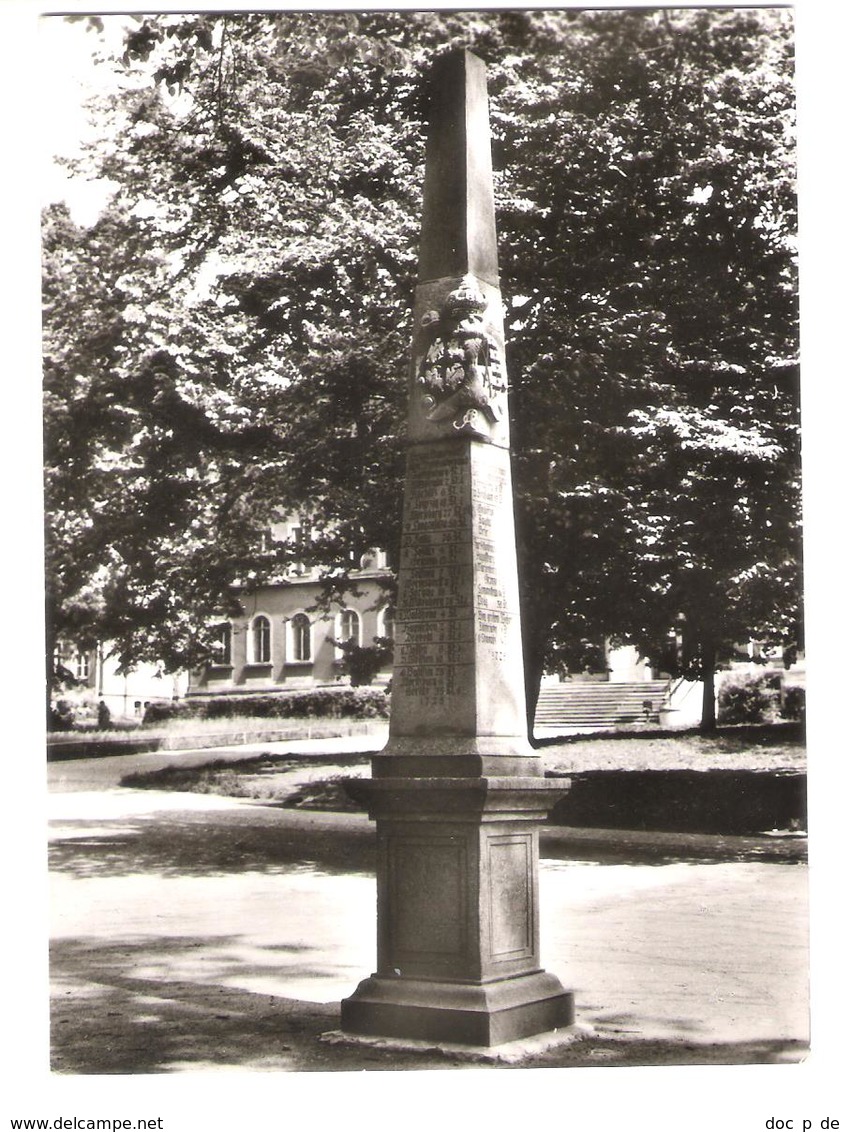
(598, 706)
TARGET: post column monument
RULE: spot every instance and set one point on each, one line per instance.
(458, 794)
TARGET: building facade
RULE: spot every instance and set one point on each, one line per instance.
(97, 679)
(282, 639)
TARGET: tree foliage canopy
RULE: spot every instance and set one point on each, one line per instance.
(227, 343)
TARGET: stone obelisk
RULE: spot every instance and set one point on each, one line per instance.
(458, 793)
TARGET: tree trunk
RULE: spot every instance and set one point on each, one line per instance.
(533, 651)
(533, 674)
(708, 656)
(49, 668)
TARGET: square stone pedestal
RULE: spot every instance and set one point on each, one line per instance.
(458, 922)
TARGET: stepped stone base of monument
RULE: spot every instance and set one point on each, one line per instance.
(458, 922)
(485, 1014)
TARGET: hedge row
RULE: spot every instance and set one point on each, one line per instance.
(310, 703)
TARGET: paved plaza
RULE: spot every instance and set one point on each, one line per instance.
(195, 932)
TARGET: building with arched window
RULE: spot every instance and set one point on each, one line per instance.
(260, 640)
(348, 627)
(281, 638)
(386, 622)
(301, 638)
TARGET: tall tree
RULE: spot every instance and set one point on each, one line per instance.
(253, 361)
(658, 324)
(147, 461)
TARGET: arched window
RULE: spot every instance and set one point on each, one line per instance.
(386, 622)
(373, 559)
(223, 653)
(349, 626)
(261, 640)
(302, 646)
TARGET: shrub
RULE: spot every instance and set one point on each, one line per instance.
(794, 702)
(749, 698)
(161, 711)
(361, 664)
(76, 712)
(61, 716)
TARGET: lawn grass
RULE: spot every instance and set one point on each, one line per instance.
(316, 781)
(174, 728)
(202, 733)
(292, 780)
(775, 746)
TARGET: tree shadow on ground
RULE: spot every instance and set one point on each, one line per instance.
(645, 1052)
(207, 843)
(108, 1019)
(257, 838)
(638, 847)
